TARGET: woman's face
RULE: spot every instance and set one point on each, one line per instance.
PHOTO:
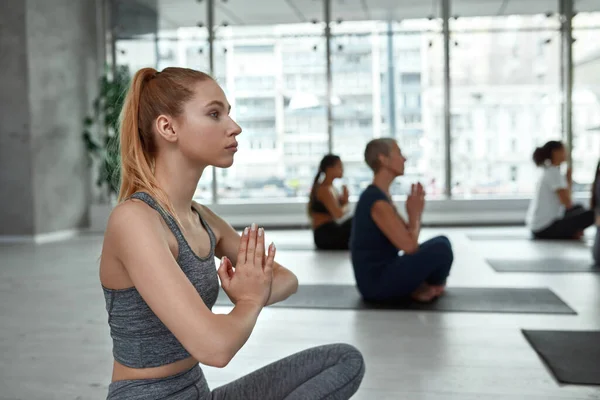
(338, 170)
(559, 156)
(206, 133)
(395, 161)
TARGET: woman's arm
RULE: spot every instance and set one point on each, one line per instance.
(564, 196)
(136, 237)
(386, 218)
(560, 185)
(332, 204)
(344, 197)
(285, 283)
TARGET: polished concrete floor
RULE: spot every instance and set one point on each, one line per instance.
(54, 340)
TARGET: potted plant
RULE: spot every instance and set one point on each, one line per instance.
(101, 132)
(101, 138)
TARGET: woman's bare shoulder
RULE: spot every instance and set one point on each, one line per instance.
(131, 212)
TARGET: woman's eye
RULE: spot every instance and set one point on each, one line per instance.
(214, 114)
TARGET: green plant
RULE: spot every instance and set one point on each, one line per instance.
(101, 129)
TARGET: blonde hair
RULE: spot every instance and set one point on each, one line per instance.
(150, 94)
(375, 148)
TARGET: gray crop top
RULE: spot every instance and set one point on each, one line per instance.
(140, 339)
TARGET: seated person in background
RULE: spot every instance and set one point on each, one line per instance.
(379, 232)
(331, 221)
(551, 213)
(596, 207)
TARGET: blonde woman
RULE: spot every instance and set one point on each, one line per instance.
(157, 267)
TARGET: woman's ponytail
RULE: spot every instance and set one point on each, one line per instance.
(136, 163)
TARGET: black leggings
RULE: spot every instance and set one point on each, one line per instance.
(576, 220)
(333, 236)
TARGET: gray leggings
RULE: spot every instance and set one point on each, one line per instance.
(326, 372)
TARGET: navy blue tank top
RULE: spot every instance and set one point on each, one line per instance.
(369, 247)
(140, 339)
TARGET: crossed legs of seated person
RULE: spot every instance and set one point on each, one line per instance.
(421, 275)
(326, 372)
(571, 226)
(333, 236)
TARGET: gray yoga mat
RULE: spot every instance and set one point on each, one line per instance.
(549, 265)
(571, 356)
(303, 247)
(490, 300)
(499, 236)
(296, 246)
(518, 236)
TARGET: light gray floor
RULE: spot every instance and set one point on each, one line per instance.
(54, 341)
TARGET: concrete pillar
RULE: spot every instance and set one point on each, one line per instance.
(49, 58)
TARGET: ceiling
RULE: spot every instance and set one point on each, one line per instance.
(181, 13)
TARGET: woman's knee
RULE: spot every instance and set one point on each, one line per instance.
(441, 240)
(345, 349)
(350, 356)
(444, 247)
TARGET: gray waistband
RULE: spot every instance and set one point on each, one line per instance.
(187, 385)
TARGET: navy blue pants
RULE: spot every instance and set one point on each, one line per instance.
(430, 264)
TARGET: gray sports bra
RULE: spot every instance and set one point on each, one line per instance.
(140, 339)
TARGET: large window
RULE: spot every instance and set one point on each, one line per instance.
(505, 101)
(356, 96)
(388, 81)
(381, 88)
(137, 52)
(274, 77)
(586, 99)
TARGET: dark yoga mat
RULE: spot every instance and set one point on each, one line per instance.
(549, 265)
(491, 300)
(519, 237)
(572, 356)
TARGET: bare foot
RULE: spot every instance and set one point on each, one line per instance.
(439, 289)
(424, 293)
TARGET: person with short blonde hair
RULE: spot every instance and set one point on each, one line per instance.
(379, 233)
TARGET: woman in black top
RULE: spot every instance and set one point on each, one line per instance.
(328, 210)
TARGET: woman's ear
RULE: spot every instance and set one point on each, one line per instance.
(383, 160)
(165, 128)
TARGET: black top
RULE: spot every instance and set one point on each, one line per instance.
(318, 206)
